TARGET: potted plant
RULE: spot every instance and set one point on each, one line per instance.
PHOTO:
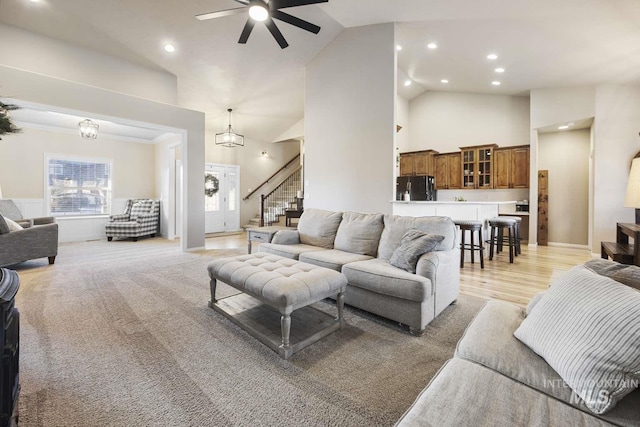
(6, 125)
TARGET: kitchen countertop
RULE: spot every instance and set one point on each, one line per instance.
(453, 202)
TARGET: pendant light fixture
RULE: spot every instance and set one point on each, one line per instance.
(88, 129)
(229, 138)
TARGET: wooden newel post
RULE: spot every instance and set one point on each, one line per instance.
(262, 210)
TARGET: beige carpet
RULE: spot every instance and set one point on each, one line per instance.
(119, 334)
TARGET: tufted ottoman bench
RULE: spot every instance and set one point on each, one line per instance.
(285, 285)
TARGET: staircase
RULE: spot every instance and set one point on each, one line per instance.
(274, 204)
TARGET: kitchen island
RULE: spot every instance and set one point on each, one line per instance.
(479, 211)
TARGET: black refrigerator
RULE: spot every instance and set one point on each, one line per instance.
(419, 188)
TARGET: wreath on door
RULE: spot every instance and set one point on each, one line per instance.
(211, 184)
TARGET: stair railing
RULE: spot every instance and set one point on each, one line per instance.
(271, 177)
(273, 205)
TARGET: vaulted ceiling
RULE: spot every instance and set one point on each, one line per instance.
(540, 44)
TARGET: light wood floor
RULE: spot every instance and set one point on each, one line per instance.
(517, 283)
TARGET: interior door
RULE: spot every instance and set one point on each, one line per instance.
(222, 203)
(214, 206)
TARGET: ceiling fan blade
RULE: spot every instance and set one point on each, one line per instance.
(275, 32)
(281, 4)
(300, 23)
(245, 2)
(220, 14)
(246, 31)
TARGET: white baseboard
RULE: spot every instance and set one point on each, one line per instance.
(568, 245)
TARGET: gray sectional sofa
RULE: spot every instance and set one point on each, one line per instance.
(361, 247)
(495, 379)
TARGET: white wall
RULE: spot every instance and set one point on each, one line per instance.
(566, 156)
(164, 180)
(33, 52)
(22, 162)
(350, 122)
(617, 123)
(445, 121)
(109, 105)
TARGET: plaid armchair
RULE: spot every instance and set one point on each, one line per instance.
(141, 217)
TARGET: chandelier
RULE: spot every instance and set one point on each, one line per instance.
(88, 129)
(229, 138)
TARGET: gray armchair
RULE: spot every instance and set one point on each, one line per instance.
(38, 239)
(8, 209)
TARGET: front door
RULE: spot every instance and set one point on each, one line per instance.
(222, 204)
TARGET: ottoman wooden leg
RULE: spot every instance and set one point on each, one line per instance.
(285, 324)
(212, 284)
(340, 303)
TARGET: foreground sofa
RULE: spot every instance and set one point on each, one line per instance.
(363, 247)
(495, 379)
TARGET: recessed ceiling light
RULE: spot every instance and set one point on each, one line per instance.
(398, 47)
(499, 70)
(496, 83)
(432, 45)
(563, 127)
(444, 81)
(169, 48)
(407, 82)
(492, 56)
(34, 1)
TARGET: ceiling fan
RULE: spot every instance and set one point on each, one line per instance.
(266, 11)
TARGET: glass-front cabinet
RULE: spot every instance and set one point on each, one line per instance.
(477, 166)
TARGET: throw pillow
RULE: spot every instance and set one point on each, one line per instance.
(586, 327)
(623, 273)
(4, 228)
(359, 233)
(413, 244)
(13, 226)
(318, 227)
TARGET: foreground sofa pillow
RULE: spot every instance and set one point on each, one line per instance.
(623, 273)
(359, 233)
(318, 227)
(587, 328)
(413, 244)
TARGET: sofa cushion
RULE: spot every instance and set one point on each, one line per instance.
(396, 226)
(331, 258)
(463, 393)
(489, 341)
(379, 276)
(413, 244)
(287, 251)
(359, 233)
(623, 273)
(4, 227)
(575, 327)
(318, 227)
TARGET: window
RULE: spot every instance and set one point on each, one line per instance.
(78, 186)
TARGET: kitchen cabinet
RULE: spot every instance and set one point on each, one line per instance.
(448, 171)
(417, 163)
(511, 167)
(477, 165)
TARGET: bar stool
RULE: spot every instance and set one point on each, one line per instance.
(496, 235)
(471, 226)
(518, 222)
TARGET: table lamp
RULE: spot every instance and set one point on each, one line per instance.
(632, 200)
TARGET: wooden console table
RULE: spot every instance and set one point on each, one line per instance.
(621, 250)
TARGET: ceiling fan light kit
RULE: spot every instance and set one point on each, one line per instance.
(263, 11)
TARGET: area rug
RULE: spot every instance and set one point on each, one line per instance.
(119, 334)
